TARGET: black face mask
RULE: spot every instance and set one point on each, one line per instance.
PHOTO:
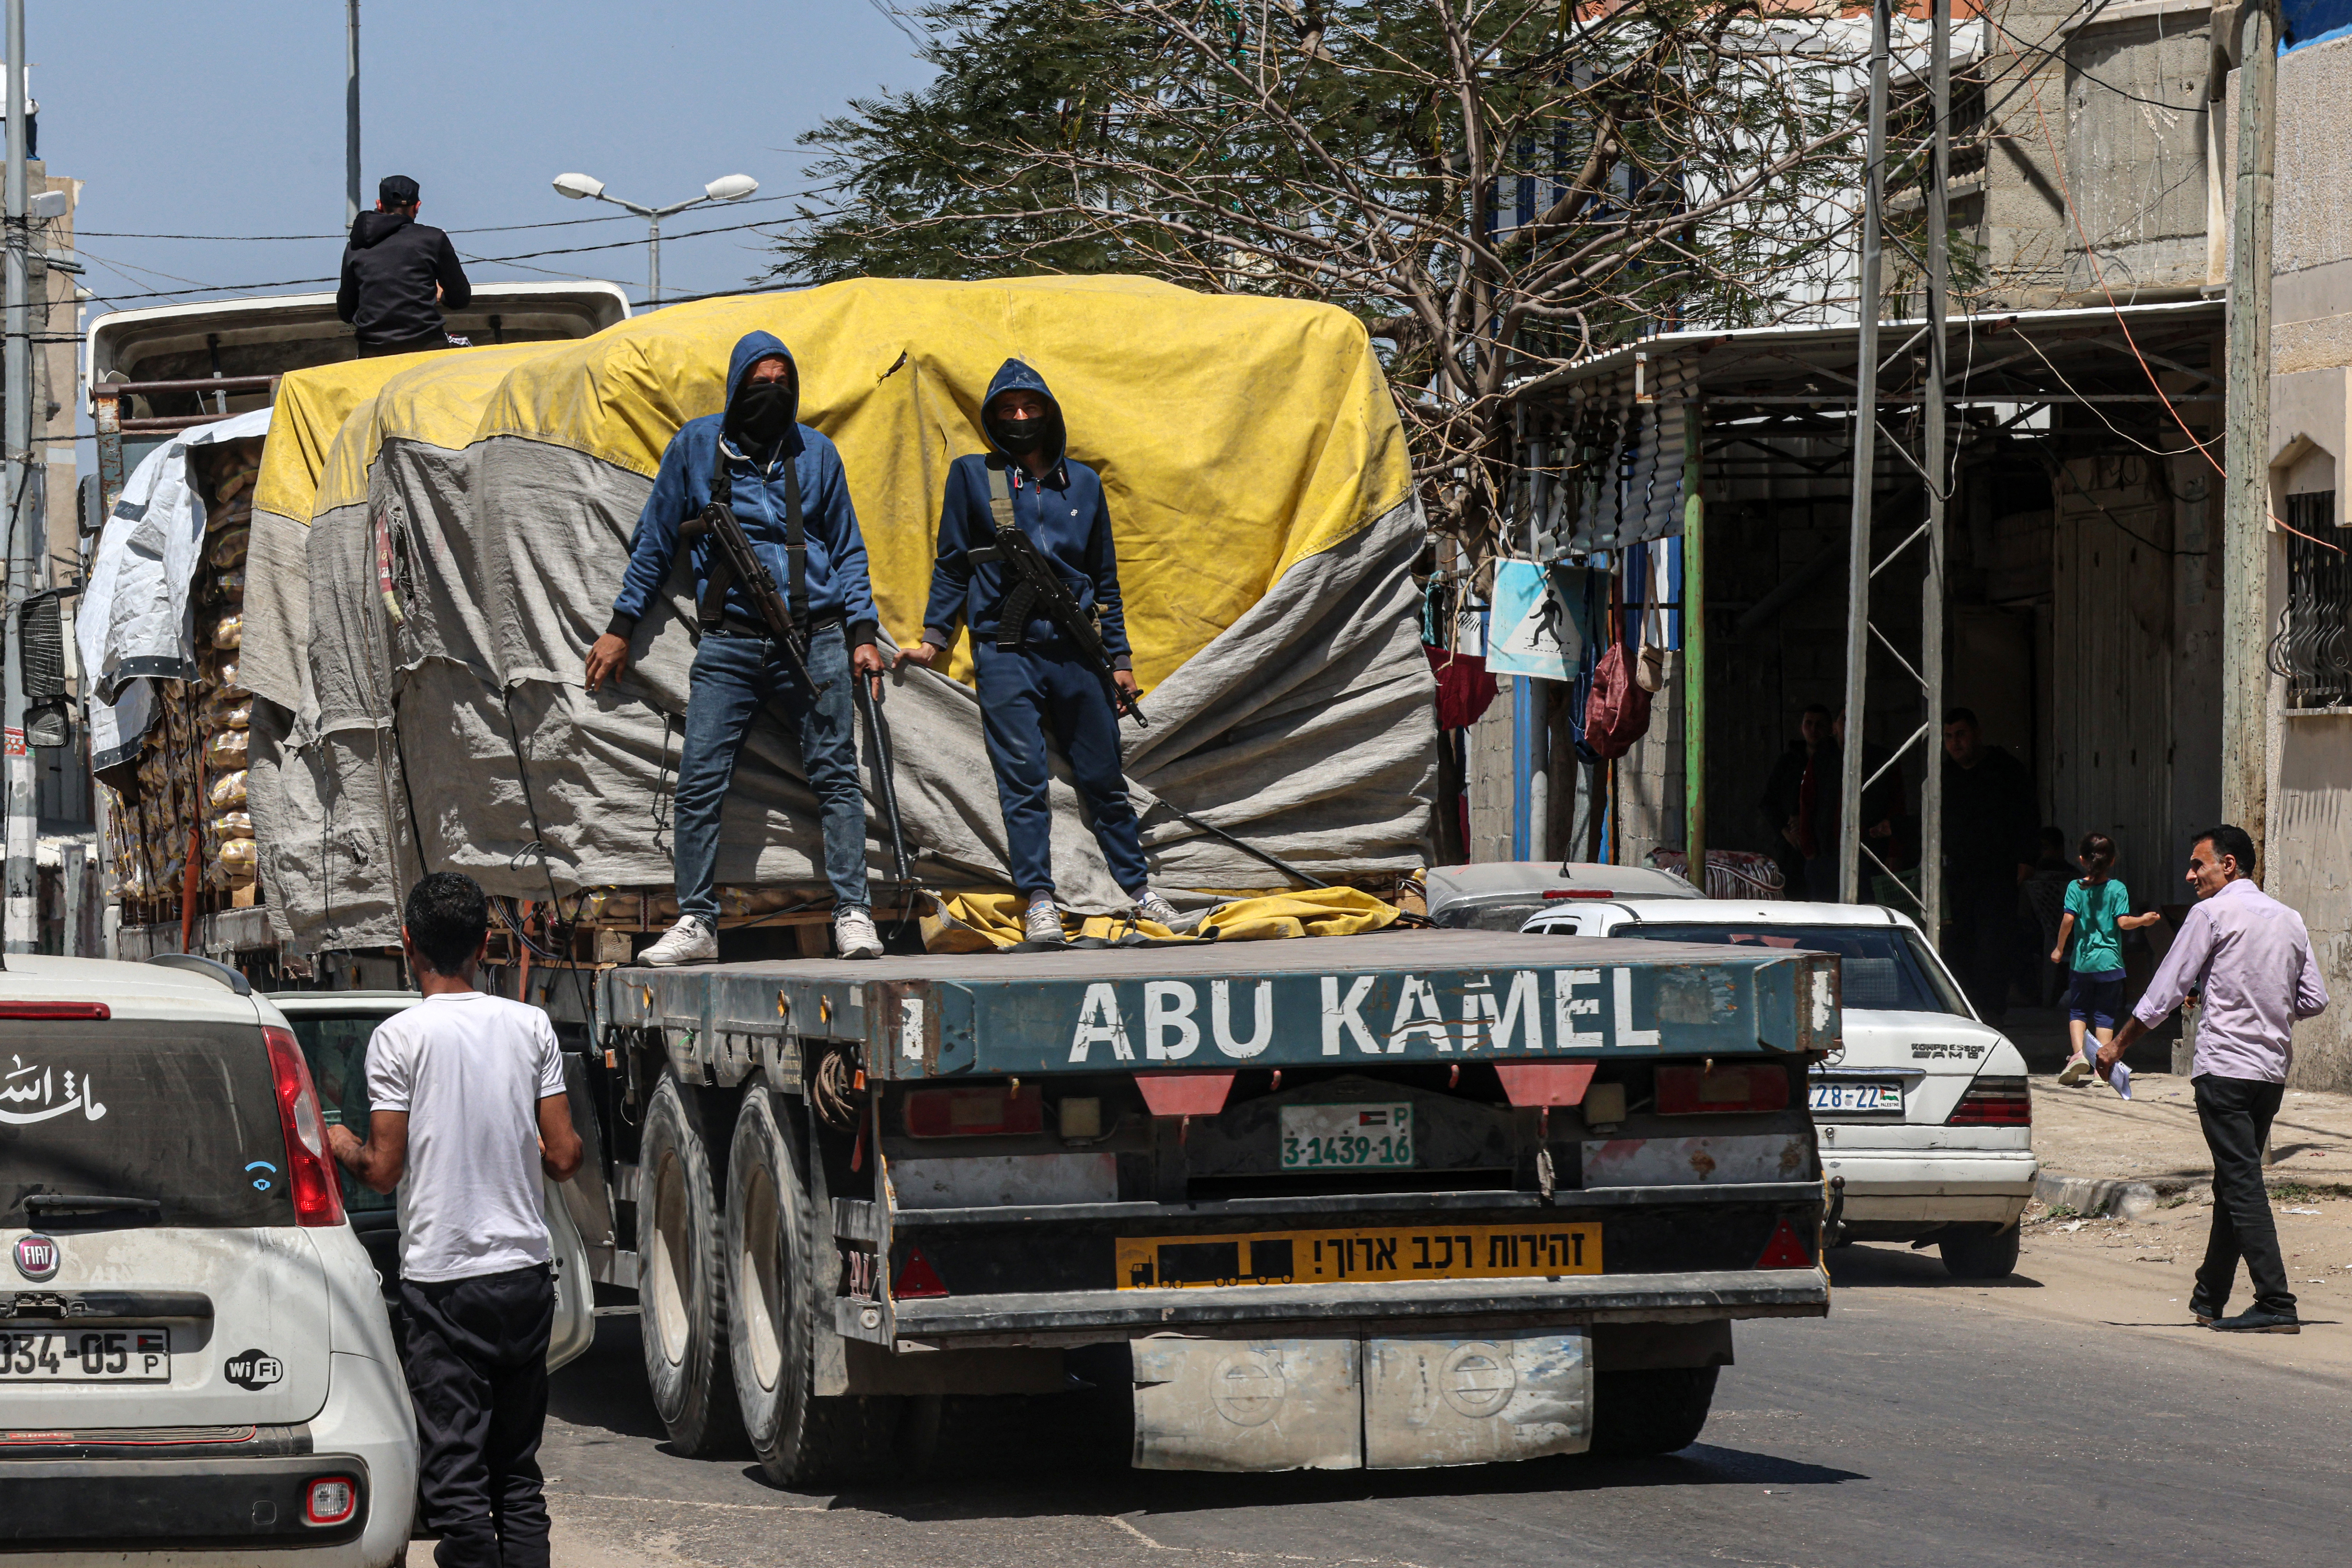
(1019, 437)
(763, 414)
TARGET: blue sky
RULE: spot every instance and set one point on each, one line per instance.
(228, 119)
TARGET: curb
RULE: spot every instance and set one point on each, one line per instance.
(2094, 1195)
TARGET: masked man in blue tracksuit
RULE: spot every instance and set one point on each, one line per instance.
(775, 466)
(1045, 689)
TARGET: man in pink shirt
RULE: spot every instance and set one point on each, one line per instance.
(2247, 959)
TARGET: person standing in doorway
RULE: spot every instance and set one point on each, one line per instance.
(468, 1113)
(2248, 959)
(1800, 808)
(1990, 826)
(2097, 913)
(399, 274)
(1043, 688)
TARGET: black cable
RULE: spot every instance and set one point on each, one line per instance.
(492, 229)
(474, 260)
(538, 842)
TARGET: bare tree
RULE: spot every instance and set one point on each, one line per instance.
(1495, 187)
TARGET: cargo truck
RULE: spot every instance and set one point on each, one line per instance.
(1388, 1201)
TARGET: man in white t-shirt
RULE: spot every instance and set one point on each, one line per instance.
(468, 1109)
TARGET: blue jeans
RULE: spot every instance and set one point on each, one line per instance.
(731, 676)
(1023, 697)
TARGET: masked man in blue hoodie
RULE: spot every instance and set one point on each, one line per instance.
(1045, 687)
(785, 484)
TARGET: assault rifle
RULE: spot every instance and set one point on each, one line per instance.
(739, 562)
(1037, 587)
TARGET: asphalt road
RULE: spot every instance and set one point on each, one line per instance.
(2070, 1416)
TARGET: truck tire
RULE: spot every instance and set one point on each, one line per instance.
(781, 1264)
(1655, 1411)
(681, 1284)
(1981, 1256)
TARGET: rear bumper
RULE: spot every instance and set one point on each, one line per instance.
(1938, 1187)
(1088, 1317)
(61, 1508)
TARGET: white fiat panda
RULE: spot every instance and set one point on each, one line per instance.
(195, 1364)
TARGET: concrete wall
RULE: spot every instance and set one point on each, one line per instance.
(2132, 160)
(1488, 777)
(2308, 837)
(1650, 778)
(2137, 173)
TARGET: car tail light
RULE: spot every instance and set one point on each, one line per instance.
(1703, 1092)
(310, 1171)
(1786, 1249)
(918, 1280)
(981, 1113)
(96, 1010)
(329, 1499)
(1993, 1102)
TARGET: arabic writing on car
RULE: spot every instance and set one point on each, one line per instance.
(23, 1086)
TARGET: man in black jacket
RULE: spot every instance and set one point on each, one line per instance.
(398, 275)
(1991, 829)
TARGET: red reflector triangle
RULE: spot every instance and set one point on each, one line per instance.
(1783, 1251)
(917, 1280)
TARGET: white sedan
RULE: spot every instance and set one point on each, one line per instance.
(1923, 1111)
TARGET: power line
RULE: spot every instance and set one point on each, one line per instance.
(494, 228)
(474, 260)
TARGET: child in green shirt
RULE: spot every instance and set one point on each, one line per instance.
(2098, 911)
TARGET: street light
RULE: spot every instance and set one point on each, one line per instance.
(727, 188)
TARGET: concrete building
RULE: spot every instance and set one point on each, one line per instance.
(2308, 827)
(2081, 607)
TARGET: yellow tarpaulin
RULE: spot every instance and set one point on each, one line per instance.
(978, 921)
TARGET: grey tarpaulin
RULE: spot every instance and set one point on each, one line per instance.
(1306, 724)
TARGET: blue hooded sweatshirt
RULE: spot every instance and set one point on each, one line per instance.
(837, 584)
(1064, 514)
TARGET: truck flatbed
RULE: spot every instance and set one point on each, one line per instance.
(1400, 997)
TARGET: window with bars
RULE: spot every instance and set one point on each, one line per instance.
(2312, 648)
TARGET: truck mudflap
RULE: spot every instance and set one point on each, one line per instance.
(1085, 1317)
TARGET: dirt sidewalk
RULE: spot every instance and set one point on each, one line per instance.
(2087, 1130)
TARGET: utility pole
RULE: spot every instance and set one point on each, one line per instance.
(351, 113)
(1939, 478)
(2245, 520)
(1695, 645)
(22, 925)
(1864, 466)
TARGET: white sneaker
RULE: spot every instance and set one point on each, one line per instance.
(1042, 921)
(1153, 908)
(854, 935)
(2074, 1071)
(688, 941)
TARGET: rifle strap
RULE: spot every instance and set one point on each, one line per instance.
(719, 576)
(1013, 608)
(796, 549)
(1000, 497)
